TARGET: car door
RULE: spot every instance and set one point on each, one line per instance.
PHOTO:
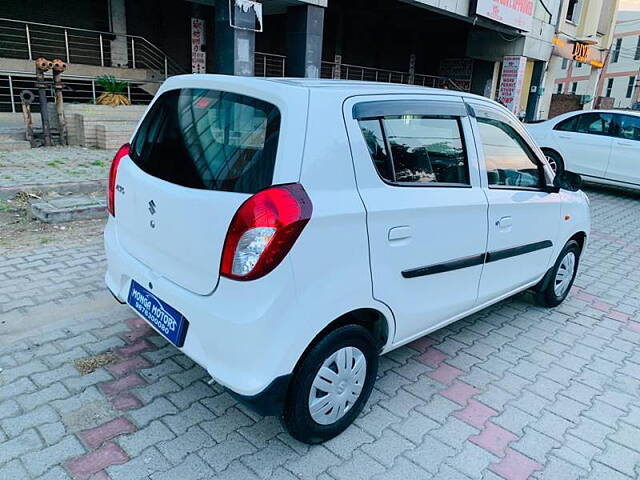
(585, 142)
(426, 213)
(523, 214)
(624, 165)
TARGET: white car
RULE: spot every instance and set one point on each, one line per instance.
(285, 232)
(603, 146)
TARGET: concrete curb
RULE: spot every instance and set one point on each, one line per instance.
(87, 186)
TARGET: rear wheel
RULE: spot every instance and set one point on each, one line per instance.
(331, 385)
(555, 287)
(555, 161)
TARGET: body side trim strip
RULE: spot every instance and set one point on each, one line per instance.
(475, 260)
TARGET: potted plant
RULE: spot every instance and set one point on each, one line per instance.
(113, 91)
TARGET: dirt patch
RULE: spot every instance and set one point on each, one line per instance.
(18, 229)
(90, 364)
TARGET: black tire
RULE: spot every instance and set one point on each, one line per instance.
(554, 158)
(296, 417)
(545, 294)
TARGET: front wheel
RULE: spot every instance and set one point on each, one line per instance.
(555, 161)
(555, 287)
(331, 385)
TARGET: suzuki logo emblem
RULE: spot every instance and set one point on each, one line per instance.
(152, 207)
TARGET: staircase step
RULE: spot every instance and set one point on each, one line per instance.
(11, 145)
(69, 208)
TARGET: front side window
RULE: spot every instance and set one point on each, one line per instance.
(629, 127)
(209, 140)
(595, 123)
(417, 149)
(509, 160)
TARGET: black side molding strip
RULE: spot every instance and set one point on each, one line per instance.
(457, 264)
(474, 260)
(515, 251)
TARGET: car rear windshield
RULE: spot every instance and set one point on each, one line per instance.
(210, 140)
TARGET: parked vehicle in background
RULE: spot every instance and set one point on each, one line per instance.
(601, 145)
(285, 232)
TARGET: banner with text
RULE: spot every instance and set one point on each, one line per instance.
(198, 43)
(515, 13)
(513, 68)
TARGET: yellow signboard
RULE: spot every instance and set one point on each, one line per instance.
(580, 52)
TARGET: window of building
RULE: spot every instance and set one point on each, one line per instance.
(574, 87)
(615, 55)
(509, 160)
(629, 127)
(609, 87)
(559, 88)
(416, 149)
(595, 123)
(578, 64)
(565, 63)
(630, 86)
(573, 11)
(637, 55)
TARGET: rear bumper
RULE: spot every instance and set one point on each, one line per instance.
(244, 334)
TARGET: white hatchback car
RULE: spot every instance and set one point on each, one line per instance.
(283, 233)
(601, 145)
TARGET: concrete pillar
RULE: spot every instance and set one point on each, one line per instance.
(592, 87)
(235, 49)
(118, 22)
(305, 25)
(534, 97)
(553, 67)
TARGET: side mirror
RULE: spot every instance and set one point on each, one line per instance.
(568, 181)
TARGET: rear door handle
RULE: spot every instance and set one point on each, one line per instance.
(504, 224)
(399, 233)
(624, 144)
(564, 137)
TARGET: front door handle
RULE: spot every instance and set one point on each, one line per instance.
(564, 137)
(624, 144)
(504, 224)
(399, 233)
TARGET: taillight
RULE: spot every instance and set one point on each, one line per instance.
(263, 230)
(113, 172)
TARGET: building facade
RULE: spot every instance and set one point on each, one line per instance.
(620, 81)
(581, 47)
(490, 47)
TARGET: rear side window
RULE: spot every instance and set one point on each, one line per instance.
(210, 140)
(417, 149)
(568, 125)
(595, 123)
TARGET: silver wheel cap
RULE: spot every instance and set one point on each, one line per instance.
(565, 274)
(337, 385)
(552, 164)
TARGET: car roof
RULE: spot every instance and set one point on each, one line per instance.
(343, 88)
(625, 112)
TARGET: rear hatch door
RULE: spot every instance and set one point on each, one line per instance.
(197, 155)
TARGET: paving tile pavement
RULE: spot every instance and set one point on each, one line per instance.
(513, 392)
(40, 166)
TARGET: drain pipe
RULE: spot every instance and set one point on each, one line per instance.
(60, 66)
(42, 65)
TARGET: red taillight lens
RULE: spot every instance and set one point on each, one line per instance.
(263, 230)
(113, 171)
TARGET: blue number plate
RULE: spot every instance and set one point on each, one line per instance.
(161, 315)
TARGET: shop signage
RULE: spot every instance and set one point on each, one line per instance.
(198, 43)
(513, 68)
(515, 13)
(580, 52)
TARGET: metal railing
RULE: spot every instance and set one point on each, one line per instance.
(30, 40)
(269, 65)
(77, 89)
(347, 71)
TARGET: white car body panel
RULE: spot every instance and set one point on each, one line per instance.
(246, 334)
(604, 159)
